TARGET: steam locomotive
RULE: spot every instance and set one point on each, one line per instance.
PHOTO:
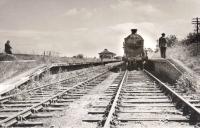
(134, 53)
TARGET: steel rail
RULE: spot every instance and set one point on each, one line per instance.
(46, 85)
(57, 82)
(114, 104)
(20, 115)
(61, 81)
(188, 108)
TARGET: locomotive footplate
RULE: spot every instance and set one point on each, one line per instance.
(135, 64)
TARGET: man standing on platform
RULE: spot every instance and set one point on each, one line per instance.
(163, 45)
(8, 47)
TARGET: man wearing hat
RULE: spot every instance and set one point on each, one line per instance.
(163, 45)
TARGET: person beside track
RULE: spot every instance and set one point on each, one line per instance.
(163, 45)
(8, 47)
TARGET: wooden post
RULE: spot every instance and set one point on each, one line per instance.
(196, 22)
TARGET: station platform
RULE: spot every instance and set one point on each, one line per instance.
(21, 78)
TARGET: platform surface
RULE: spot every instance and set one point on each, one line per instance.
(21, 78)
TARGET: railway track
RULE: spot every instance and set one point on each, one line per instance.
(138, 99)
(24, 109)
(34, 85)
(134, 99)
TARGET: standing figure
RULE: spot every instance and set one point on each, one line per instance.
(8, 47)
(163, 45)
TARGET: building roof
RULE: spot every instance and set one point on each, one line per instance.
(105, 51)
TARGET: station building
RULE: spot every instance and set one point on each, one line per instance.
(105, 54)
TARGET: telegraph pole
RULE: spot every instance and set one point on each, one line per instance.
(196, 22)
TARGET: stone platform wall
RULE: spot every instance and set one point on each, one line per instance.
(163, 69)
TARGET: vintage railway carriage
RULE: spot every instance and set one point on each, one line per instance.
(134, 54)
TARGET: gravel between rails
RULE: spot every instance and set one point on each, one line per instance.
(163, 114)
(52, 78)
(160, 124)
(75, 93)
(78, 110)
(69, 83)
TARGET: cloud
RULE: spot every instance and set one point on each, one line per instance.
(83, 12)
(133, 6)
(121, 4)
(79, 40)
(3, 2)
(71, 12)
(31, 33)
(148, 9)
(31, 40)
(89, 26)
(82, 29)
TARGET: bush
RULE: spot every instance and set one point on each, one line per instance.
(171, 40)
(187, 82)
(79, 56)
(191, 38)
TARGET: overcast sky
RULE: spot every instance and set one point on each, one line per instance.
(88, 26)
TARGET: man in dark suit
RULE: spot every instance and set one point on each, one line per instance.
(163, 45)
(8, 47)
